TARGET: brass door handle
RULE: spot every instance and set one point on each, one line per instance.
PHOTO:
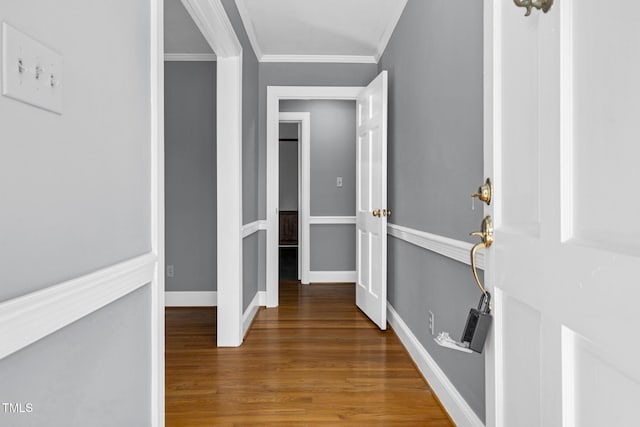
(486, 234)
(386, 212)
(376, 213)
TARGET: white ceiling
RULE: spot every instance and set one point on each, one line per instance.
(295, 30)
(320, 30)
(181, 35)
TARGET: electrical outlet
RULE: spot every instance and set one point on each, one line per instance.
(431, 323)
(170, 271)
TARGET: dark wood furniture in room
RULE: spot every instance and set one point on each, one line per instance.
(288, 228)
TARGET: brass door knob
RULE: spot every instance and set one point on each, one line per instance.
(484, 192)
(386, 212)
(376, 213)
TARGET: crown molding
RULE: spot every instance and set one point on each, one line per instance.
(388, 32)
(338, 59)
(189, 57)
(249, 28)
(213, 22)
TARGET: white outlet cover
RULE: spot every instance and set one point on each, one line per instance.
(31, 72)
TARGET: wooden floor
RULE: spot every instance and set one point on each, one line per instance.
(315, 360)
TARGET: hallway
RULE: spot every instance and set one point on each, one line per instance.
(315, 360)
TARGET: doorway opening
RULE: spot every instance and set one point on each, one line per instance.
(211, 20)
(289, 202)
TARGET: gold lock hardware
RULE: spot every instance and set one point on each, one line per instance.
(486, 234)
(484, 192)
(381, 212)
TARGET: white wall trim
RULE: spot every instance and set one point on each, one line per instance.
(262, 298)
(388, 32)
(212, 20)
(332, 276)
(332, 220)
(191, 299)
(451, 399)
(253, 227)
(274, 95)
(249, 28)
(250, 313)
(451, 248)
(202, 299)
(178, 57)
(156, 154)
(334, 59)
(28, 318)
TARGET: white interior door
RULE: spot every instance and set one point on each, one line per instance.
(371, 201)
(562, 146)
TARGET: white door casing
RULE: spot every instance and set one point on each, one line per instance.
(371, 196)
(274, 95)
(212, 20)
(561, 145)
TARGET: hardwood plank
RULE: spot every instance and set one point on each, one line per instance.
(315, 360)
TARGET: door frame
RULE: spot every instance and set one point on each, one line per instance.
(303, 119)
(157, 211)
(212, 20)
(274, 95)
(491, 124)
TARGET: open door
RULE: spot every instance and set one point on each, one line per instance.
(371, 201)
(561, 145)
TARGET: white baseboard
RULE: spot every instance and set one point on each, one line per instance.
(332, 276)
(190, 299)
(252, 310)
(201, 299)
(28, 318)
(262, 298)
(451, 399)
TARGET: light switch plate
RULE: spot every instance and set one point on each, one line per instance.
(31, 72)
(339, 181)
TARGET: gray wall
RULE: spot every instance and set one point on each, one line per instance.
(250, 151)
(190, 175)
(250, 251)
(288, 173)
(75, 187)
(434, 59)
(333, 154)
(94, 372)
(75, 191)
(333, 247)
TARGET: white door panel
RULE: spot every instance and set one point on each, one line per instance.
(561, 147)
(371, 195)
